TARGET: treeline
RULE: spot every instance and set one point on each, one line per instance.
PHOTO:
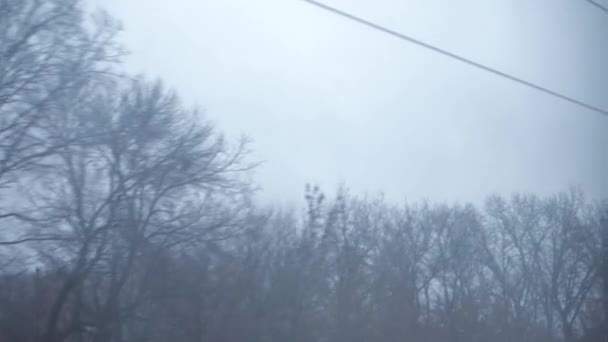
(125, 217)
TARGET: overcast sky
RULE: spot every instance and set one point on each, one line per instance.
(326, 100)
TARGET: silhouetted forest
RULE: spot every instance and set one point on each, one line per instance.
(125, 217)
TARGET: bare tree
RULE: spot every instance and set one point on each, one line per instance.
(49, 52)
(153, 176)
(568, 266)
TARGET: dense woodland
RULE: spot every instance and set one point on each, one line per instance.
(125, 217)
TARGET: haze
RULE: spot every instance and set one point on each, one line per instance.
(328, 101)
(402, 194)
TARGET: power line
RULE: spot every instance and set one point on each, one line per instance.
(457, 57)
(598, 5)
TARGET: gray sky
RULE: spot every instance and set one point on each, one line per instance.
(328, 101)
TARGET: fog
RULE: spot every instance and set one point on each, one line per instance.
(329, 101)
(269, 171)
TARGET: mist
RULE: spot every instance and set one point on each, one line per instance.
(307, 171)
(329, 101)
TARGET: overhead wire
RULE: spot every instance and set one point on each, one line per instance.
(452, 55)
(598, 5)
